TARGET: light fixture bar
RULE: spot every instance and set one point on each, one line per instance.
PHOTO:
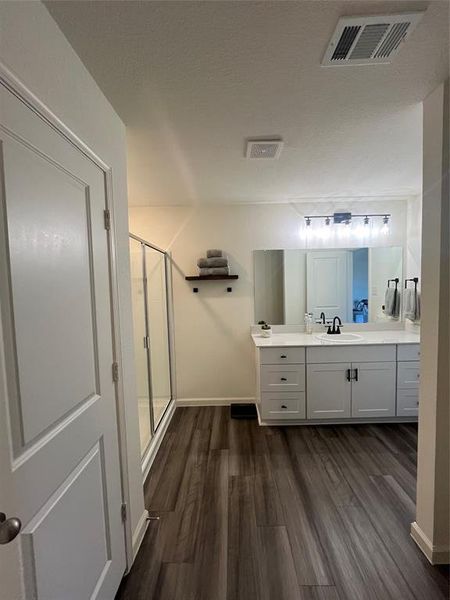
(352, 216)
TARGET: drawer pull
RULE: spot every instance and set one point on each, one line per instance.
(283, 379)
(417, 403)
(283, 356)
(283, 406)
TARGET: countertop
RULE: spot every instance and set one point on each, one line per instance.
(369, 338)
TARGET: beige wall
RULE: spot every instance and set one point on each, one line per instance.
(33, 47)
(214, 354)
(432, 527)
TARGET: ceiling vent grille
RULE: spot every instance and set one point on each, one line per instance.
(369, 40)
(264, 149)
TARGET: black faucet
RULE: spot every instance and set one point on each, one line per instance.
(322, 318)
(336, 328)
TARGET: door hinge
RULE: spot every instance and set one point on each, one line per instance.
(107, 219)
(115, 372)
(123, 512)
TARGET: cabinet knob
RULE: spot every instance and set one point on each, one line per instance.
(283, 356)
(283, 379)
(283, 406)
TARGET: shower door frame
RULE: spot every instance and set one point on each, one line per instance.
(168, 287)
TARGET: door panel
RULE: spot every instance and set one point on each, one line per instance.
(328, 391)
(52, 287)
(373, 389)
(59, 461)
(55, 543)
(328, 284)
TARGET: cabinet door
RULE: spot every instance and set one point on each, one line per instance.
(328, 391)
(407, 403)
(408, 375)
(373, 389)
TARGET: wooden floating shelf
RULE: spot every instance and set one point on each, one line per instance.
(210, 277)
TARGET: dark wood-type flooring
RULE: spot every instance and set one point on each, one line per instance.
(281, 513)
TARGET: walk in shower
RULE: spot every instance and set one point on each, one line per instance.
(150, 285)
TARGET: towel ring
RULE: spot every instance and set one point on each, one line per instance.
(414, 279)
(396, 280)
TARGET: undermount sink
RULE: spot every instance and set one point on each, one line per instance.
(342, 338)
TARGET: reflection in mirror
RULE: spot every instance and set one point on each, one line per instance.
(349, 283)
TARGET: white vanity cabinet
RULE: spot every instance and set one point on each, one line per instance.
(337, 383)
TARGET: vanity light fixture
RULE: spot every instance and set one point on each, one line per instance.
(346, 218)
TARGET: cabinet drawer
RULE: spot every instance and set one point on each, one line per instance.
(283, 405)
(282, 356)
(408, 374)
(407, 403)
(283, 378)
(408, 352)
(341, 353)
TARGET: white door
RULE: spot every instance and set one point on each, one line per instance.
(373, 389)
(59, 462)
(329, 284)
(329, 391)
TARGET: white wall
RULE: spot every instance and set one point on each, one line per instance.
(431, 529)
(214, 354)
(35, 50)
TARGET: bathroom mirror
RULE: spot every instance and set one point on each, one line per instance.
(350, 283)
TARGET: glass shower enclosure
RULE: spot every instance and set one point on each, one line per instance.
(152, 343)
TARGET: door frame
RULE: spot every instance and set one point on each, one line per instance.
(14, 85)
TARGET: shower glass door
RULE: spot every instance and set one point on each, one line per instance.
(149, 272)
(140, 339)
(158, 330)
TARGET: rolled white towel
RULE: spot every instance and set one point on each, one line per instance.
(214, 271)
(206, 263)
(213, 253)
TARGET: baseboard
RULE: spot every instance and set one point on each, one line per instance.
(139, 533)
(437, 555)
(213, 401)
(156, 441)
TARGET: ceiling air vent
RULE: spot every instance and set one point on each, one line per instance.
(369, 40)
(264, 149)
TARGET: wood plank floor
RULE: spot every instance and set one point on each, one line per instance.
(273, 513)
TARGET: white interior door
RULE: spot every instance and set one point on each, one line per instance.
(328, 283)
(59, 462)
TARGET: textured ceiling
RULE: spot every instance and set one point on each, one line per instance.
(192, 80)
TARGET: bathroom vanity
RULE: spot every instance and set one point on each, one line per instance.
(370, 376)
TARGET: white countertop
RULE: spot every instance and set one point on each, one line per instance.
(369, 338)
